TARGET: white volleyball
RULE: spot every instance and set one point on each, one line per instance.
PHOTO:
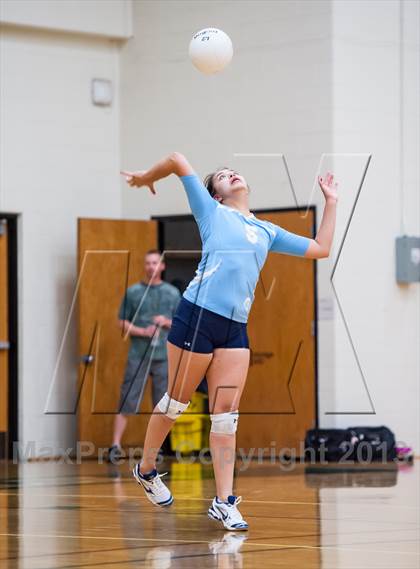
(210, 50)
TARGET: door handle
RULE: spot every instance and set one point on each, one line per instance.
(87, 359)
(4, 345)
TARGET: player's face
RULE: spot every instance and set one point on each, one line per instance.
(227, 182)
(153, 265)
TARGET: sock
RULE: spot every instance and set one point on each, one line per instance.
(149, 475)
(230, 499)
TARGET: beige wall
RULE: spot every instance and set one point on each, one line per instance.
(59, 161)
(272, 99)
(381, 315)
(111, 18)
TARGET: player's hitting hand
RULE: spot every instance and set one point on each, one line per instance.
(328, 188)
(138, 179)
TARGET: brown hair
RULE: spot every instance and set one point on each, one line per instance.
(153, 252)
(208, 180)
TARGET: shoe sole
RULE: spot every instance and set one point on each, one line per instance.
(160, 504)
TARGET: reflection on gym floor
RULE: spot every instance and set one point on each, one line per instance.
(64, 515)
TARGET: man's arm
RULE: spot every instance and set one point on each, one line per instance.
(177, 299)
(165, 321)
(162, 321)
(133, 330)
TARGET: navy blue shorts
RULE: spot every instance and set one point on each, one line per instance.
(200, 330)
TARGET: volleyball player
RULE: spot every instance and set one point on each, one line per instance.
(208, 334)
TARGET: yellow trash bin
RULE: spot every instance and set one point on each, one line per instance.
(187, 432)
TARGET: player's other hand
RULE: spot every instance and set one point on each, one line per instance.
(138, 179)
(328, 187)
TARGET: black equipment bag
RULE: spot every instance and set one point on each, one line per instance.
(356, 444)
(328, 444)
(374, 443)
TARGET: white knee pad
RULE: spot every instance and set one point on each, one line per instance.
(224, 423)
(171, 407)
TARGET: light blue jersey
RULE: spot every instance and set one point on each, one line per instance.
(235, 247)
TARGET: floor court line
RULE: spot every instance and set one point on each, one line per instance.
(132, 547)
(195, 542)
(127, 496)
(411, 526)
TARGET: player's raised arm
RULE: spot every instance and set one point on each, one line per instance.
(175, 163)
(298, 245)
(320, 247)
(200, 201)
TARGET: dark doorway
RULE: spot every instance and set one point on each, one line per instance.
(8, 334)
(180, 239)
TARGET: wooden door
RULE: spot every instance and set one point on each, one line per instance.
(4, 339)
(110, 258)
(278, 403)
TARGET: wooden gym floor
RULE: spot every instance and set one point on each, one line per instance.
(95, 515)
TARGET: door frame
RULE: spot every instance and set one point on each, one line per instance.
(13, 387)
(188, 217)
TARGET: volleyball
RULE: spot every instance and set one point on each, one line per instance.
(210, 50)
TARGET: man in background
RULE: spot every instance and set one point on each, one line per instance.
(146, 313)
